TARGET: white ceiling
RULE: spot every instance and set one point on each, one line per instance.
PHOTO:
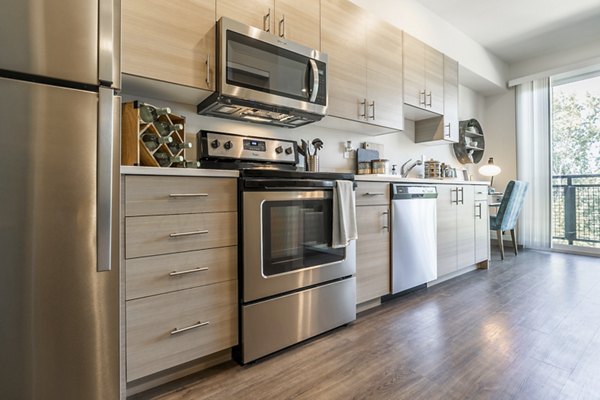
(516, 30)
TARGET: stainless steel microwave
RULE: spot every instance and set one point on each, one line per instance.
(265, 78)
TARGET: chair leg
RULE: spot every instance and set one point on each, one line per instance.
(514, 241)
(501, 244)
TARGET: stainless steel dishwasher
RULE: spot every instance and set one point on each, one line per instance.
(414, 243)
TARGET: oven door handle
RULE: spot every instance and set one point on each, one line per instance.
(269, 184)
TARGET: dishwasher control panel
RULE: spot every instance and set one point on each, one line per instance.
(413, 191)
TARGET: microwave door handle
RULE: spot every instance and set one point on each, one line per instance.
(315, 80)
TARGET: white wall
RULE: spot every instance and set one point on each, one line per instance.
(577, 57)
(398, 146)
(500, 136)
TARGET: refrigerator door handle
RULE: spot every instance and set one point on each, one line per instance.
(104, 209)
(106, 42)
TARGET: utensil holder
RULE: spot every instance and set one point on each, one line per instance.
(313, 163)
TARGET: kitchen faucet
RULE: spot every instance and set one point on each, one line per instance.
(405, 170)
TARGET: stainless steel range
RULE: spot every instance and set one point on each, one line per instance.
(293, 283)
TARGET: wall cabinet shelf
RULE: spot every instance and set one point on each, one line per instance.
(471, 142)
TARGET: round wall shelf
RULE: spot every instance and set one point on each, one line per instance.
(471, 143)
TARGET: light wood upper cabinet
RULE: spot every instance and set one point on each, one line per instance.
(372, 253)
(298, 21)
(434, 80)
(414, 71)
(257, 13)
(365, 65)
(423, 76)
(171, 41)
(343, 38)
(384, 75)
(451, 100)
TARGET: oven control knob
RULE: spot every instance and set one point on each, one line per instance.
(215, 143)
(289, 150)
(228, 145)
(279, 150)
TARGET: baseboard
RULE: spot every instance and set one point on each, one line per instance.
(161, 378)
(452, 275)
(367, 305)
(507, 243)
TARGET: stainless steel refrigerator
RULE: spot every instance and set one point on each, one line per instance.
(59, 164)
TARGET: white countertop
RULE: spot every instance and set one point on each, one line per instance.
(214, 173)
(397, 178)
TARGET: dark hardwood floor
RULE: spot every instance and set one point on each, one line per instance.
(527, 328)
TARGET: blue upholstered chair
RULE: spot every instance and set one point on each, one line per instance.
(508, 213)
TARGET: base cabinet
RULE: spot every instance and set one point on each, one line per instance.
(372, 253)
(462, 233)
(482, 224)
(180, 271)
(373, 244)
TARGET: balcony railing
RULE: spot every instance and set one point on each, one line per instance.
(576, 209)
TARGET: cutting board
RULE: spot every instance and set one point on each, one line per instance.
(366, 155)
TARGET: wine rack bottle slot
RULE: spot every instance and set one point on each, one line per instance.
(153, 136)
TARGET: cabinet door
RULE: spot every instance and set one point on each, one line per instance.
(384, 75)
(482, 231)
(465, 231)
(257, 13)
(450, 100)
(343, 38)
(298, 21)
(171, 41)
(372, 253)
(434, 80)
(414, 71)
(446, 229)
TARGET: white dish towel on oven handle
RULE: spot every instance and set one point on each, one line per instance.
(344, 214)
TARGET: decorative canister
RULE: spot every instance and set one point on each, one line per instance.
(364, 168)
(433, 169)
(380, 166)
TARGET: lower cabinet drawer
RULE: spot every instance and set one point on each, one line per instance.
(164, 234)
(481, 192)
(166, 330)
(372, 193)
(148, 276)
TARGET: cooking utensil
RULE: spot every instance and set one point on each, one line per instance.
(318, 143)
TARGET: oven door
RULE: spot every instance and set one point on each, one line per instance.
(287, 242)
(257, 66)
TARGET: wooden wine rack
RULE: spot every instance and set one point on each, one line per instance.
(133, 150)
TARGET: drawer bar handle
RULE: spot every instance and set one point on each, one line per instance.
(374, 194)
(178, 234)
(187, 328)
(188, 271)
(188, 195)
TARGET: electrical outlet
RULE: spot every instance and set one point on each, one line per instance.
(350, 154)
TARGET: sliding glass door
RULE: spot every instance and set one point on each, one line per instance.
(575, 148)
